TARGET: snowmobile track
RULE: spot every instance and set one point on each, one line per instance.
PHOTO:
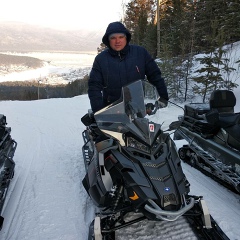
(204, 168)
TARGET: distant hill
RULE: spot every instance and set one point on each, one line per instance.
(29, 62)
(23, 37)
(13, 63)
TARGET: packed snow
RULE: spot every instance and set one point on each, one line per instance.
(46, 199)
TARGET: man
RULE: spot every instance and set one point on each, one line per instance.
(121, 64)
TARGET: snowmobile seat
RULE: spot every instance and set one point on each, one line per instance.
(223, 100)
(222, 103)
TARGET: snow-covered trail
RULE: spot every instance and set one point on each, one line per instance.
(223, 204)
(46, 199)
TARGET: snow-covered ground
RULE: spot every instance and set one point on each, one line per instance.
(46, 199)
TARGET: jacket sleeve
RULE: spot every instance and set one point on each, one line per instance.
(153, 74)
(95, 87)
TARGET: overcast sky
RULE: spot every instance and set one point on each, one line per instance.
(63, 14)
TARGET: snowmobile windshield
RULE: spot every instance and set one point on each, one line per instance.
(125, 110)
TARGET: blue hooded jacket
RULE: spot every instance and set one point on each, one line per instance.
(112, 70)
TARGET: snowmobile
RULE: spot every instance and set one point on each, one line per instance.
(212, 131)
(132, 166)
(7, 165)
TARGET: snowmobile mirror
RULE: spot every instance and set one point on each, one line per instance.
(87, 119)
(149, 108)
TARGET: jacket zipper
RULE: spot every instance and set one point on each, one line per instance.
(119, 54)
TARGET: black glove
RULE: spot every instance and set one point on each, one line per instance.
(162, 103)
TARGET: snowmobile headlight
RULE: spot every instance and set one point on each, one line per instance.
(131, 142)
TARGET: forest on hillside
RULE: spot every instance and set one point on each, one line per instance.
(177, 30)
(33, 90)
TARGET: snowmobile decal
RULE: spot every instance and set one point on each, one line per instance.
(151, 127)
(134, 197)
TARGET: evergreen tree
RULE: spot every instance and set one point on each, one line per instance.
(231, 21)
(210, 77)
(139, 19)
(214, 63)
(176, 41)
(150, 39)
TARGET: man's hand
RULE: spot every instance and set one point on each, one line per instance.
(162, 103)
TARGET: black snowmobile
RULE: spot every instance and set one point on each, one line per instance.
(133, 166)
(7, 150)
(213, 135)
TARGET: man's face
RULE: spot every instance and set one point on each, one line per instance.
(117, 41)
